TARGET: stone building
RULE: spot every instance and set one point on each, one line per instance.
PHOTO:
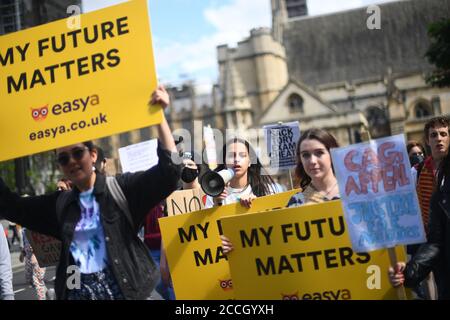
(329, 71)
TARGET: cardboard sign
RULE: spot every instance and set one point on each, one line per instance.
(198, 267)
(378, 194)
(60, 86)
(139, 157)
(303, 253)
(46, 249)
(281, 142)
(185, 201)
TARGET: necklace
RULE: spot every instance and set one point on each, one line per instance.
(237, 190)
(326, 194)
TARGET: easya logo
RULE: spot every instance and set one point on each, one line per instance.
(39, 114)
(226, 284)
(78, 104)
(293, 296)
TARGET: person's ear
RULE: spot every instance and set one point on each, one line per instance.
(94, 155)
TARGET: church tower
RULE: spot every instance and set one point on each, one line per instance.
(282, 10)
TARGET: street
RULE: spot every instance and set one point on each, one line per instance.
(23, 290)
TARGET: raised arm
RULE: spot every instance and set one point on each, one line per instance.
(35, 213)
(161, 96)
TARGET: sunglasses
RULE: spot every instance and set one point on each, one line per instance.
(76, 153)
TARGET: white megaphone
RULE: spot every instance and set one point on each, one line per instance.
(213, 183)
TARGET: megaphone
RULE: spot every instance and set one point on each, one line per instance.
(213, 183)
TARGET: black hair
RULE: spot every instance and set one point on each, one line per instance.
(261, 183)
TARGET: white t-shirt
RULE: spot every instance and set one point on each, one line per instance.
(234, 195)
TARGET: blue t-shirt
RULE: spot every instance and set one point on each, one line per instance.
(88, 246)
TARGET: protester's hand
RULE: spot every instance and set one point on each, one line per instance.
(22, 256)
(165, 273)
(227, 246)
(161, 96)
(63, 186)
(246, 201)
(396, 276)
(221, 197)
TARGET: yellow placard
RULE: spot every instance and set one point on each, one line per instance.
(303, 253)
(60, 86)
(193, 248)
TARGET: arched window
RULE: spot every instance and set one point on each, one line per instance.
(378, 122)
(295, 103)
(422, 110)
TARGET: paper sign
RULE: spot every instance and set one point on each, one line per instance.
(210, 147)
(139, 157)
(378, 194)
(281, 142)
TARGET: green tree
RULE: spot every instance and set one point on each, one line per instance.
(7, 173)
(438, 53)
(43, 172)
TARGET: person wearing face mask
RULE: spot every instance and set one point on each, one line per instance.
(97, 237)
(190, 172)
(416, 152)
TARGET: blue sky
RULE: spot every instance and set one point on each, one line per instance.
(187, 32)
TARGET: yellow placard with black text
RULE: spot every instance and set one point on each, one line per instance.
(303, 253)
(198, 267)
(61, 85)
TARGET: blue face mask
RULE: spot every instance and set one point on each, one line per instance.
(416, 159)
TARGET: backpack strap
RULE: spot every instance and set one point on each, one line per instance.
(118, 196)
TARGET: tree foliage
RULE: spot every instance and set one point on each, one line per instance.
(438, 53)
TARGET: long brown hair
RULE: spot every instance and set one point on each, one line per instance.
(324, 137)
(261, 183)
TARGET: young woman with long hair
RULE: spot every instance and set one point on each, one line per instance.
(314, 168)
(249, 181)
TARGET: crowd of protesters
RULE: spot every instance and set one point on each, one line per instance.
(98, 218)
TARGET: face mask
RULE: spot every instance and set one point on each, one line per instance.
(415, 159)
(188, 175)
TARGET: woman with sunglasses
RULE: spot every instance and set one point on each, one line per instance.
(101, 256)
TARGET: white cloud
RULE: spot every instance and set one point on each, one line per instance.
(232, 22)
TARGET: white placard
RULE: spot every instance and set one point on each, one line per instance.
(139, 157)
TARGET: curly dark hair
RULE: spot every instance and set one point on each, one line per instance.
(324, 137)
(434, 122)
(261, 183)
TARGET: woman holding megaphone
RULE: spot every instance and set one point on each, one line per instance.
(247, 179)
(244, 179)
